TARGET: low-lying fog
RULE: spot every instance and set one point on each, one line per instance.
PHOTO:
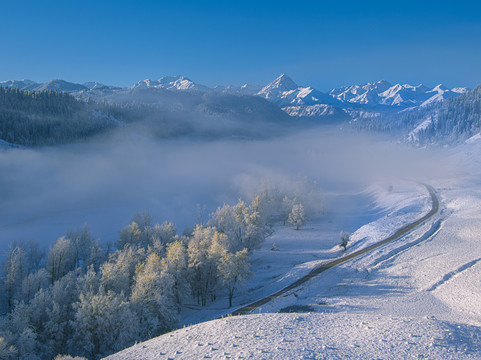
(44, 192)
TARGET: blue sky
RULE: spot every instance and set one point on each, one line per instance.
(325, 44)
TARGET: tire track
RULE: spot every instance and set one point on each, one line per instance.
(452, 274)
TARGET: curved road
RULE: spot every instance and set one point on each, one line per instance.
(321, 268)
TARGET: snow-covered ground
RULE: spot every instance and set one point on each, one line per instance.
(417, 297)
(313, 336)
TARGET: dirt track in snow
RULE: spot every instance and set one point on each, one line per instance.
(323, 267)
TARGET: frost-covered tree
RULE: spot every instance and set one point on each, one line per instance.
(256, 227)
(68, 357)
(58, 327)
(204, 250)
(141, 233)
(345, 238)
(22, 335)
(14, 270)
(227, 221)
(61, 258)
(118, 273)
(268, 204)
(84, 244)
(286, 209)
(297, 217)
(165, 233)
(89, 283)
(35, 256)
(104, 323)
(175, 263)
(234, 269)
(131, 235)
(243, 225)
(34, 282)
(153, 298)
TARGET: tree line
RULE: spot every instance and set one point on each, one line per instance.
(32, 118)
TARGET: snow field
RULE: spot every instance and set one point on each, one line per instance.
(312, 336)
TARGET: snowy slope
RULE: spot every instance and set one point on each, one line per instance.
(417, 297)
(313, 336)
(441, 92)
(60, 85)
(19, 84)
(245, 89)
(317, 111)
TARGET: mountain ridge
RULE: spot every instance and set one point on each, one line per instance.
(295, 100)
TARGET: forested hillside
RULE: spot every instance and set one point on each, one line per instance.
(448, 122)
(455, 120)
(47, 118)
(50, 118)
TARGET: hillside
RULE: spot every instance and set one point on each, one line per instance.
(312, 336)
(417, 296)
(51, 117)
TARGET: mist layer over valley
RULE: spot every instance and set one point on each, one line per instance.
(46, 191)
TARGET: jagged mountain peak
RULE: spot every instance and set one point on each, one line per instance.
(275, 90)
(440, 87)
(177, 82)
(285, 82)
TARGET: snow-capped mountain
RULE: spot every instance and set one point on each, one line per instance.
(94, 85)
(245, 89)
(295, 100)
(285, 92)
(441, 92)
(60, 85)
(55, 85)
(19, 84)
(360, 94)
(170, 83)
(382, 93)
(278, 88)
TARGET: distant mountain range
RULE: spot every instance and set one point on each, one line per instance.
(416, 114)
(295, 100)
